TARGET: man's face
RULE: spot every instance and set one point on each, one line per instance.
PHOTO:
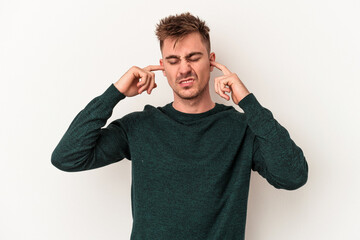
(187, 66)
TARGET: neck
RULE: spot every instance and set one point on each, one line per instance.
(199, 104)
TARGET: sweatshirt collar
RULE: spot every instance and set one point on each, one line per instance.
(189, 117)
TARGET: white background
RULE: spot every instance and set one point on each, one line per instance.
(301, 59)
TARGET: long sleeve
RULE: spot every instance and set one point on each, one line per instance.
(276, 157)
(86, 145)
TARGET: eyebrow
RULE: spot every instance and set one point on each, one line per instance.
(187, 56)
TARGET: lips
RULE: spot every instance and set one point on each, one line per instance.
(186, 82)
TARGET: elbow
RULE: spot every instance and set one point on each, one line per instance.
(289, 179)
(295, 181)
(302, 177)
(289, 184)
(58, 162)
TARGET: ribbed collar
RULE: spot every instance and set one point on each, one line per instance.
(190, 117)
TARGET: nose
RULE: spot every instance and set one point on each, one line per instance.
(184, 68)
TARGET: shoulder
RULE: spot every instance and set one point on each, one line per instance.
(148, 113)
(231, 113)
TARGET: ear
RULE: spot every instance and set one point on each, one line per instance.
(162, 64)
(212, 58)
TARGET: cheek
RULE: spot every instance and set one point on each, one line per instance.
(168, 70)
(170, 73)
(202, 69)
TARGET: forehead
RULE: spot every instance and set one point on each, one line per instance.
(190, 43)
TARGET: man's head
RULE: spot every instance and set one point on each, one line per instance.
(178, 26)
(185, 47)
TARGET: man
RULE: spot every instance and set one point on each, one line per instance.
(192, 158)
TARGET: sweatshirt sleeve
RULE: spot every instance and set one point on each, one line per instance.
(86, 145)
(276, 157)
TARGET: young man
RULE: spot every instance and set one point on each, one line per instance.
(192, 158)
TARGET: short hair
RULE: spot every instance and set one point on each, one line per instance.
(178, 26)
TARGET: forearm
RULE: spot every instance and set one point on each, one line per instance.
(276, 156)
(85, 145)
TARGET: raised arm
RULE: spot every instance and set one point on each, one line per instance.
(86, 144)
(276, 157)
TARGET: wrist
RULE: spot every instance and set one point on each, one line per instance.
(242, 95)
(118, 87)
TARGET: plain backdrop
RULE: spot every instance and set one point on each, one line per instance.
(301, 59)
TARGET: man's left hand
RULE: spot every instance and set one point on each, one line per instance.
(230, 83)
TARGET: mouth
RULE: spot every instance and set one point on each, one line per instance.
(186, 82)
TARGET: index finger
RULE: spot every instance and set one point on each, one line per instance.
(221, 67)
(154, 68)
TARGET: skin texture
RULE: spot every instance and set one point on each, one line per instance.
(187, 60)
(229, 83)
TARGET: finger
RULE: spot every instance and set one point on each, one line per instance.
(146, 83)
(152, 83)
(141, 75)
(221, 89)
(217, 81)
(223, 95)
(220, 78)
(149, 81)
(154, 68)
(142, 81)
(224, 87)
(221, 67)
(224, 82)
(216, 85)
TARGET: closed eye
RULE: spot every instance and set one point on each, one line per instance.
(173, 62)
(194, 59)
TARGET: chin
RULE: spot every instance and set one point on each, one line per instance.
(188, 95)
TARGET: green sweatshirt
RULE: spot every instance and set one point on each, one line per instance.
(190, 172)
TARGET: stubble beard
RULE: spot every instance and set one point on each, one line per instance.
(197, 94)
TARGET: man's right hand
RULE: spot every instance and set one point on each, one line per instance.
(130, 84)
